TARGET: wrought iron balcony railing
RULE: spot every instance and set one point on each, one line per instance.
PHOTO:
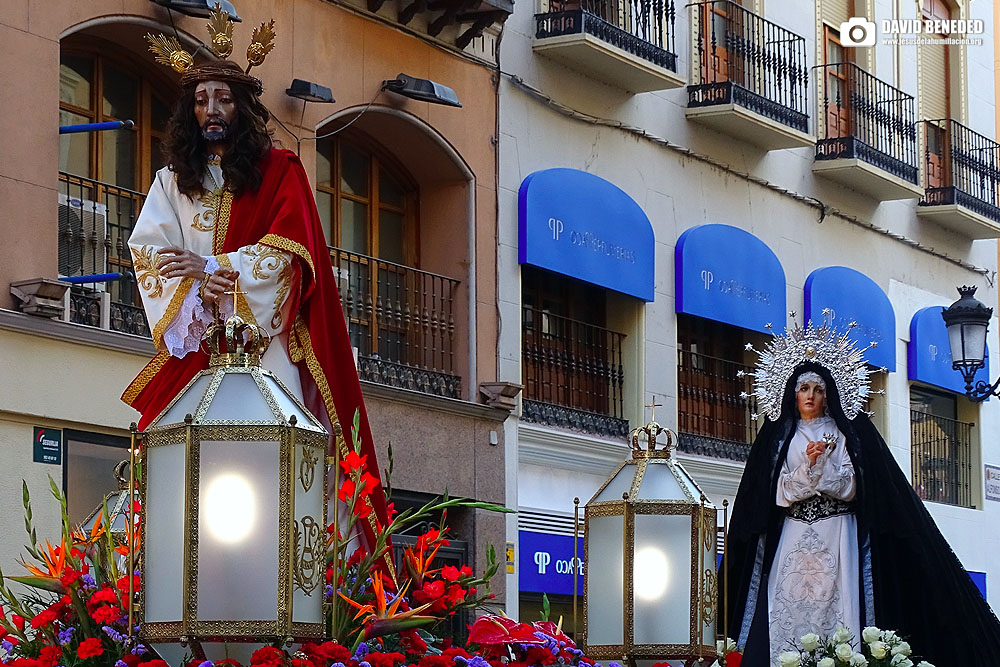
(402, 322)
(941, 454)
(867, 119)
(94, 225)
(742, 58)
(713, 419)
(962, 167)
(643, 28)
(573, 374)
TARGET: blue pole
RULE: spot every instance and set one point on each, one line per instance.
(93, 278)
(97, 127)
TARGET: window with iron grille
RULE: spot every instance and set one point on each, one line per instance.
(940, 448)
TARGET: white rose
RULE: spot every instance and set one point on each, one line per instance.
(844, 651)
(809, 642)
(902, 648)
(924, 663)
(879, 650)
(890, 637)
(858, 660)
(900, 661)
(789, 659)
(841, 636)
(870, 634)
(725, 647)
(826, 662)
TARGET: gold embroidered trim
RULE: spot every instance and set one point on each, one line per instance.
(270, 259)
(147, 271)
(290, 246)
(222, 221)
(212, 201)
(174, 307)
(300, 349)
(144, 377)
(242, 306)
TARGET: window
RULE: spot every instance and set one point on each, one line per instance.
(88, 473)
(940, 447)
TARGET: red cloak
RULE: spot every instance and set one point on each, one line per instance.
(282, 214)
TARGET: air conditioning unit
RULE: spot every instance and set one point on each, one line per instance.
(83, 232)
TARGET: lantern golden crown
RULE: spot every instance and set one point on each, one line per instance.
(650, 435)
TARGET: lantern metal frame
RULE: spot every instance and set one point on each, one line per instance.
(703, 593)
(969, 310)
(290, 434)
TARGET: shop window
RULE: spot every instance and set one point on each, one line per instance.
(88, 470)
(941, 448)
(713, 419)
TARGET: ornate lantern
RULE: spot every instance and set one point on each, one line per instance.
(117, 505)
(233, 491)
(967, 320)
(650, 548)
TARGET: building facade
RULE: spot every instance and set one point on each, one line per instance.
(675, 177)
(405, 188)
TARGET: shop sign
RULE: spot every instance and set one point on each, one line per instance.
(546, 563)
(992, 478)
(47, 445)
(929, 353)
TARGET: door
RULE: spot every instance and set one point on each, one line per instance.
(837, 87)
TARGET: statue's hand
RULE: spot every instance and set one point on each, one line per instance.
(217, 284)
(813, 451)
(180, 263)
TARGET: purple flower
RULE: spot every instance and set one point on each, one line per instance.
(613, 664)
(361, 651)
(121, 663)
(66, 636)
(337, 664)
(112, 633)
(364, 663)
(207, 663)
(475, 661)
(6, 646)
(328, 591)
(138, 650)
(88, 581)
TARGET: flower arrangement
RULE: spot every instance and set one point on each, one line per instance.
(75, 608)
(729, 654)
(879, 648)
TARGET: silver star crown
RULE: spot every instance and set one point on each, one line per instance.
(824, 346)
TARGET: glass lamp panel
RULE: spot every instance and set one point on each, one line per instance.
(659, 483)
(956, 343)
(310, 552)
(188, 403)
(975, 341)
(709, 569)
(688, 482)
(661, 570)
(238, 531)
(288, 406)
(621, 483)
(605, 602)
(239, 398)
(173, 654)
(163, 532)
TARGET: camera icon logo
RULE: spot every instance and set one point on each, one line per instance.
(857, 31)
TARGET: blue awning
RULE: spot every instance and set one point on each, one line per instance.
(929, 354)
(852, 296)
(726, 274)
(583, 226)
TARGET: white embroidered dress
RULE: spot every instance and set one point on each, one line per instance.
(176, 314)
(814, 580)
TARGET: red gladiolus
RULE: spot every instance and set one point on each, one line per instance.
(370, 483)
(346, 490)
(89, 648)
(456, 595)
(362, 509)
(123, 584)
(47, 616)
(449, 573)
(353, 462)
(18, 622)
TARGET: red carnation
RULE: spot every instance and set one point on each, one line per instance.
(412, 643)
(434, 661)
(107, 614)
(300, 662)
(154, 663)
(385, 659)
(334, 652)
(89, 648)
(267, 656)
(456, 652)
(50, 655)
(133, 660)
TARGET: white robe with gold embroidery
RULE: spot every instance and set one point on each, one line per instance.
(177, 317)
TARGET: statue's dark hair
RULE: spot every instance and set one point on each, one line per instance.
(248, 142)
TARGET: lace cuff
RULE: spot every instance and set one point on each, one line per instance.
(796, 485)
(185, 333)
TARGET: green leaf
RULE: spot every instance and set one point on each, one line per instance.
(44, 583)
(546, 610)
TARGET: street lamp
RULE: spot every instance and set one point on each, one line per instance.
(967, 321)
(650, 544)
(233, 492)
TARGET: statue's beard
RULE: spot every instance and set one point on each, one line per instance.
(218, 133)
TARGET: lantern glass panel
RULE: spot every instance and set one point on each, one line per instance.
(661, 570)
(709, 572)
(164, 532)
(288, 406)
(238, 499)
(659, 483)
(975, 341)
(187, 404)
(619, 484)
(239, 399)
(605, 599)
(310, 552)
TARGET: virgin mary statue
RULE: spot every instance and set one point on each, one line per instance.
(826, 530)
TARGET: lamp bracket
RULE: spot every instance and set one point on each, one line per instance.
(982, 390)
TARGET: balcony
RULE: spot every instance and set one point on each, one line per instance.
(962, 168)
(868, 137)
(401, 321)
(624, 43)
(95, 222)
(714, 419)
(941, 455)
(749, 77)
(573, 374)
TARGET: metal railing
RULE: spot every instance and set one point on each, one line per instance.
(866, 118)
(402, 322)
(95, 221)
(644, 28)
(573, 373)
(962, 167)
(941, 455)
(713, 419)
(742, 58)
